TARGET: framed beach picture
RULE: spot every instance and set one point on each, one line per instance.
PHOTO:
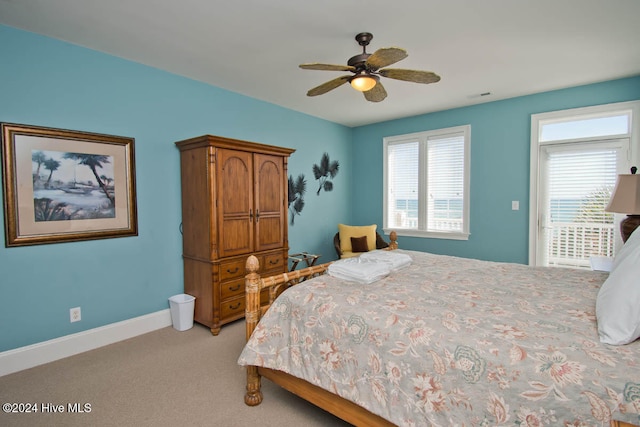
(64, 185)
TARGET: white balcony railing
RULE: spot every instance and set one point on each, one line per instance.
(571, 244)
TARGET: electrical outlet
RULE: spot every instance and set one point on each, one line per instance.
(75, 315)
(515, 205)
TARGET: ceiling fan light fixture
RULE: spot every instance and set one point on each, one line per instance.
(364, 82)
(367, 69)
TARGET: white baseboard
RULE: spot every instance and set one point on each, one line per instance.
(47, 351)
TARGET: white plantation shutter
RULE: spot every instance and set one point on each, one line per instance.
(426, 183)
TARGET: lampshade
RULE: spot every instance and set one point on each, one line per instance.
(626, 195)
(626, 199)
(364, 82)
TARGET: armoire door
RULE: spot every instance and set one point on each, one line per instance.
(269, 194)
(235, 205)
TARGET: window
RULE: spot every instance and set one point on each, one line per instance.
(426, 183)
(576, 156)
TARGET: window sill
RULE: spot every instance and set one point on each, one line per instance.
(427, 234)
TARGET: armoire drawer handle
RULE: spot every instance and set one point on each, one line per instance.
(234, 271)
(233, 307)
(234, 288)
(274, 262)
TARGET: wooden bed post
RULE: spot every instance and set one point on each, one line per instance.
(253, 396)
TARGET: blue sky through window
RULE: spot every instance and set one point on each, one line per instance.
(586, 128)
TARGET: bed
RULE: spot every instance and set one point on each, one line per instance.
(442, 341)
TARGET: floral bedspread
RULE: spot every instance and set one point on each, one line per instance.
(453, 341)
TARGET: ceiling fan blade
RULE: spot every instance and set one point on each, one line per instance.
(327, 67)
(384, 57)
(377, 94)
(330, 85)
(410, 75)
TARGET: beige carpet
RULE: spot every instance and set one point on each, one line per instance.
(164, 378)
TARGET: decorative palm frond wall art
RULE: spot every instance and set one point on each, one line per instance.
(325, 172)
(297, 189)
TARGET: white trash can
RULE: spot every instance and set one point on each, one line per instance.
(182, 307)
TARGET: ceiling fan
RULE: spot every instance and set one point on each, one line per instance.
(367, 68)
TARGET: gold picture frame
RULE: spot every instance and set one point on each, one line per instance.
(66, 186)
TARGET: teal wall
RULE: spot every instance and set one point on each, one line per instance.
(46, 82)
(500, 144)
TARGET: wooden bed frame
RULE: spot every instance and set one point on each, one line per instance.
(254, 309)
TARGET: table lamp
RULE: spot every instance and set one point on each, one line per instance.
(626, 199)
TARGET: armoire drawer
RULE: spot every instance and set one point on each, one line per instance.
(232, 269)
(272, 262)
(232, 288)
(237, 267)
(232, 307)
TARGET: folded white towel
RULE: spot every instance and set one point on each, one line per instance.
(396, 260)
(359, 270)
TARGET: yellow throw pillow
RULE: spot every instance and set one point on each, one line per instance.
(349, 231)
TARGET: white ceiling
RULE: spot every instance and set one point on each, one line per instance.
(253, 47)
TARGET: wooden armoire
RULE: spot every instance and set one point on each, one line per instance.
(234, 204)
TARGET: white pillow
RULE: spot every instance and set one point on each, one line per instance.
(618, 301)
(629, 247)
